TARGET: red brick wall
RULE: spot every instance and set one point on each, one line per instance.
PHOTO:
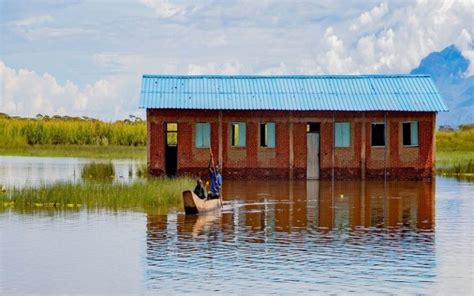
(394, 161)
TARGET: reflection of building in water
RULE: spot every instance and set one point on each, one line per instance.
(263, 208)
(376, 204)
(326, 205)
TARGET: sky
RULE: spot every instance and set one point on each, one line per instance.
(86, 58)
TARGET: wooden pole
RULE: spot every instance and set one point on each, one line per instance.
(220, 140)
(291, 156)
(363, 139)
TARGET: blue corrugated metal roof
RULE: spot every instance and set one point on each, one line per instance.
(296, 92)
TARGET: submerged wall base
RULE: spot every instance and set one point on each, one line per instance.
(405, 174)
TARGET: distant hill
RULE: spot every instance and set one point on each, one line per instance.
(448, 68)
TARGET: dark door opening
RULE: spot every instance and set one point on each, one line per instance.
(171, 148)
(312, 144)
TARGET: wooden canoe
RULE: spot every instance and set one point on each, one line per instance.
(194, 205)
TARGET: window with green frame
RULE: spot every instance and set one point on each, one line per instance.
(267, 135)
(342, 134)
(410, 133)
(203, 135)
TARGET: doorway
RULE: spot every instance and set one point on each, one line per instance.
(171, 148)
(312, 143)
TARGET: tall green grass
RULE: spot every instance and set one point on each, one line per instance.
(153, 194)
(455, 151)
(455, 163)
(462, 140)
(96, 171)
(56, 130)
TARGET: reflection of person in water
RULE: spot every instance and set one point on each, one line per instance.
(199, 189)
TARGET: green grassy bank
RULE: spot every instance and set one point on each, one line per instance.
(455, 151)
(87, 151)
(152, 194)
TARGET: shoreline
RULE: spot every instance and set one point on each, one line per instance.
(80, 151)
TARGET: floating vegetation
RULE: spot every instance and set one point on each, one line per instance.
(96, 171)
(141, 195)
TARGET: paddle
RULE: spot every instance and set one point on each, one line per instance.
(214, 168)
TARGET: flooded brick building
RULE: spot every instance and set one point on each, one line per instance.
(292, 127)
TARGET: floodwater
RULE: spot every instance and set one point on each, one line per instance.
(272, 237)
(20, 171)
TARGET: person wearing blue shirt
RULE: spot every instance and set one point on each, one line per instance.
(215, 179)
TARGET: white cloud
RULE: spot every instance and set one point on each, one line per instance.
(119, 62)
(334, 58)
(388, 41)
(40, 26)
(465, 43)
(279, 69)
(27, 93)
(164, 8)
(229, 68)
(32, 20)
(368, 18)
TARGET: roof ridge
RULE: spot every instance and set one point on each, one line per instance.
(321, 76)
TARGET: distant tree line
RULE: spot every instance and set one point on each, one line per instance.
(67, 130)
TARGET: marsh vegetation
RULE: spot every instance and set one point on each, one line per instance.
(81, 136)
(455, 151)
(145, 194)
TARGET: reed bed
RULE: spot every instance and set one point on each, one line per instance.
(455, 163)
(461, 140)
(145, 194)
(96, 171)
(455, 152)
(57, 130)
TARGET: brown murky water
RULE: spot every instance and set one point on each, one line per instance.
(272, 237)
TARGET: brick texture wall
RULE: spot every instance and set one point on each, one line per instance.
(360, 160)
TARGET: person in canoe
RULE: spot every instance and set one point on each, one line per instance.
(199, 190)
(215, 179)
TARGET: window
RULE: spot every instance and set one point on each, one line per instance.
(203, 135)
(410, 133)
(378, 134)
(238, 134)
(342, 134)
(171, 134)
(312, 127)
(267, 135)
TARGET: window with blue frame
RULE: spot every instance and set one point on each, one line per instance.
(203, 135)
(267, 135)
(410, 133)
(238, 134)
(342, 134)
